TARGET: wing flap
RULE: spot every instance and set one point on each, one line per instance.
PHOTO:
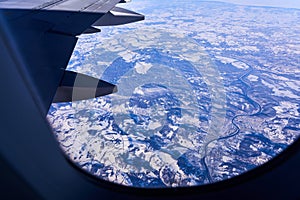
(75, 86)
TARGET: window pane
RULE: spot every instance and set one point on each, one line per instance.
(206, 91)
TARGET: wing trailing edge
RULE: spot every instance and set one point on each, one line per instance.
(75, 86)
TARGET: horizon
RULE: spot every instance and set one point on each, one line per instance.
(268, 3)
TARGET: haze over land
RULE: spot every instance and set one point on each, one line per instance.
(207, 91)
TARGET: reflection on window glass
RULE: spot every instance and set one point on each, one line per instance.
(206, 91)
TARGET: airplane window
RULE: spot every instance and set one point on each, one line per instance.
(206, 91)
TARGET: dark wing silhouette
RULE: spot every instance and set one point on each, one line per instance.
(44, 33)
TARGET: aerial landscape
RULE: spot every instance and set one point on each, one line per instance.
(206, 91)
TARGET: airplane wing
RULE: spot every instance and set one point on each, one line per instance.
(44, 34)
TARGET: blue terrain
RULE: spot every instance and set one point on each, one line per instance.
(206, 91)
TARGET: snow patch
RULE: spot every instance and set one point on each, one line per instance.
(142, 67)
